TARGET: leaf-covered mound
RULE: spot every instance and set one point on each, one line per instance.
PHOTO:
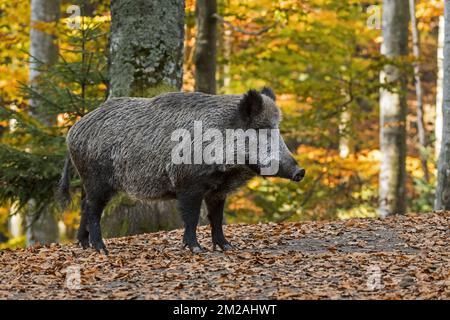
(395, 258)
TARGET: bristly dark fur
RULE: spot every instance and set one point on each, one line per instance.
(251, 105)
(269, 93)
(125, 146)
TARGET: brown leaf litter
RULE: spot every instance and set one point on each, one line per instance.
(401, 257)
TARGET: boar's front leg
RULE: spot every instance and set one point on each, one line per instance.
(215, 205)
(189, 205)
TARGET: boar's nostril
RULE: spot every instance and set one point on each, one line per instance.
(299, 175)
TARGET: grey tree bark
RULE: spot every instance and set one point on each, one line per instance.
(439, 88)
(146, 47)
(443, 182)
(43, 50)
(146, 59)
(205, 46)
(43, 46)
(423, 144)
(393, 110)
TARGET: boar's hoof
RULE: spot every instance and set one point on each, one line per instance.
(103, 250)
(195, 248)
(99, 247)
(84, 243)
(224, 246)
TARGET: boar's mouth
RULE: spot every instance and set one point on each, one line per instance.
(297, 176)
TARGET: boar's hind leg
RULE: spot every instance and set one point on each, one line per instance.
(215, 207)
(95, 203)
(189, 205)
(83, 232)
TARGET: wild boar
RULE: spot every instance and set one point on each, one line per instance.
(127, 145)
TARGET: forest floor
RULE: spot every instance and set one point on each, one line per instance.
(401, 257)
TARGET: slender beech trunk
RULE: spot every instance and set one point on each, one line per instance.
(344, 141)
(393, 110)
(439, 85)
(443, 183)
(227, 48)
(43, 52)
(205, 46)
(43, 46)
(146, 59)
(419, 92)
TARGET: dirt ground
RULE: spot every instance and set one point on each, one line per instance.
(402, 257)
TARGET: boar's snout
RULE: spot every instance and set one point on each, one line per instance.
(299, 174)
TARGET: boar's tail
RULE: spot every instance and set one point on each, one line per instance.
(63, 194)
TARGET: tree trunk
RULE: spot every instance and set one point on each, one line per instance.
(146, 59)
(419, 92)
(205, 46)
(344, 140)
(439, 89)
(227, 48)
(43, 52)
(43, 46)
(146, 47)
(15, 223)
(393, 110)
(443, 183)
(87, 8)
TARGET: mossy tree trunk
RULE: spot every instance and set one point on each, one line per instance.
(146, 59)
(146, 47)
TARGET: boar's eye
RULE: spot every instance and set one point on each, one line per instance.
(251, 105)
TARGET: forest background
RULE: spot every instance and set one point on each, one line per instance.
(323, 58)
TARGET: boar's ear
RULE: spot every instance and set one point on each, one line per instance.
(251, 105)
(269, 93)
